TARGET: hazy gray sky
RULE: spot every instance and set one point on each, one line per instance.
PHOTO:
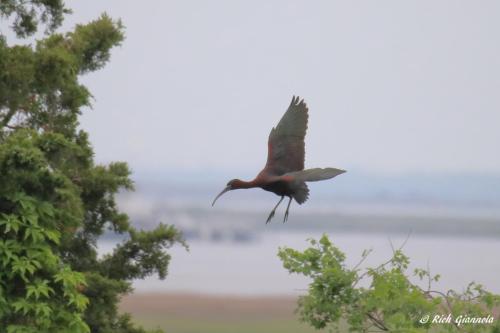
(392, 86)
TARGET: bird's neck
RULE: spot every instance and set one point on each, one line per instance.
(244, 184)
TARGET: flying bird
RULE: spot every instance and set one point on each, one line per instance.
(284, 172)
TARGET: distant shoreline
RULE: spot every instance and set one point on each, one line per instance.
(209, 306)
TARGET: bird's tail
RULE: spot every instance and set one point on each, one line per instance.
(316, 174)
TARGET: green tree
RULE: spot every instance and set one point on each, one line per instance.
(391, 303)
(55, 202)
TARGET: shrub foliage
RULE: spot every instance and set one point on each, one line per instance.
(383, 298)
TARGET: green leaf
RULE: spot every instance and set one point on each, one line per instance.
(53, 235)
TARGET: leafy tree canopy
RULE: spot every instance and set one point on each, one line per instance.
(55, 201)
(28, 14)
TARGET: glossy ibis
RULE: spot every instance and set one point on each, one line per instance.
(284, 172)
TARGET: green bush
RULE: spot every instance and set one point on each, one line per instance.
(390, 303)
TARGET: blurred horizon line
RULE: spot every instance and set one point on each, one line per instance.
(452, 188)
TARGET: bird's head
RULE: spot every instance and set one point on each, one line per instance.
(233, 184)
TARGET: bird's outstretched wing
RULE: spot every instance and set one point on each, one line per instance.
(286, 148)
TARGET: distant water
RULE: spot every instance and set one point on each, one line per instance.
(253, 268)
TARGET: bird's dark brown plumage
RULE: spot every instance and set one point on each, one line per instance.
(284, 172)
(286, 147)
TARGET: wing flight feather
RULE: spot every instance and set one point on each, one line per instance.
(286, 147)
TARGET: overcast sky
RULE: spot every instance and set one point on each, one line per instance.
(392, 86)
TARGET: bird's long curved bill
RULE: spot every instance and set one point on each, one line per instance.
(220, 194)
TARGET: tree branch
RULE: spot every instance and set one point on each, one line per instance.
(6, 119)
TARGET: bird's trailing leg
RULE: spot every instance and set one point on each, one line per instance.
(287, 209)
(274, 210)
